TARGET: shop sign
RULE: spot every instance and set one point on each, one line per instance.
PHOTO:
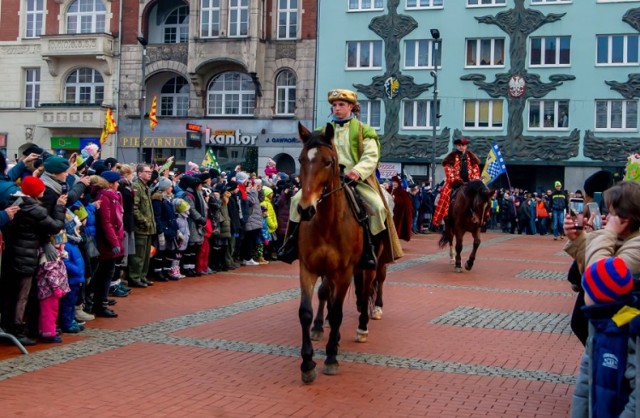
(282, 140)
(65, 142)
(388, 170)
(153, 142)
(231, 137)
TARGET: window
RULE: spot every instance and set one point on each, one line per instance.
(365, 5)
(364, 55)
(174, 97)
(34, 19)
(84, 86)
(287, 19)
(616, 115)
(487, 52)
(482, 3)
(550, 51)
(176, 26)
(548, 114)
(417, 114)
(286, 93)
(238, 18)
(418, 54)
(370, 112)
(210, 19)
(479, 114)
(86, 16)
(424, 4)
(550, 1)
(231, 94)
(617, 49)
(32, 87)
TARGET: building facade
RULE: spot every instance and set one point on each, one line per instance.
(230, 76)
(554, 83)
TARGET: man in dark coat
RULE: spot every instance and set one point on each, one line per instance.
(402, 209)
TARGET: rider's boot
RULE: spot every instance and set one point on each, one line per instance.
(368, 260)
(289, 250)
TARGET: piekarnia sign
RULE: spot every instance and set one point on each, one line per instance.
(231, 138)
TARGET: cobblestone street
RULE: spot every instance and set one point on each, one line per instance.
(493, 342)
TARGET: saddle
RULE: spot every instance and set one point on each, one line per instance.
(356, 203)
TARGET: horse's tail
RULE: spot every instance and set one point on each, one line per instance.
(447, 235)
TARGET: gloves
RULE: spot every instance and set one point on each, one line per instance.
(202, 221)
(50, 252)
(115, 250)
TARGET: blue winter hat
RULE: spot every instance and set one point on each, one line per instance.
(110, 176)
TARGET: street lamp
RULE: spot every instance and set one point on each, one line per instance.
(143, 95)
(435, 52)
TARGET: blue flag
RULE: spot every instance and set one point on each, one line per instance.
(494, 166)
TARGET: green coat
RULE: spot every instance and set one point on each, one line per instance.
(145, 223)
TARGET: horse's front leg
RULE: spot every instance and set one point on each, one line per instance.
(317, 332)
(476, 243)
(458, 251)
(362, 333)
(340, 289)
(305, 313)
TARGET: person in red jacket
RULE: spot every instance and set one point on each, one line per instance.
(460, 166)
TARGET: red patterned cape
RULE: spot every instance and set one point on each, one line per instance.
(452, 165)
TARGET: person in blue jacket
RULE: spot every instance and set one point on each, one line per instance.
(75, 274)
(602, 389)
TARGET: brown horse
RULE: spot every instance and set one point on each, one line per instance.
(467, 214)
(330, 246)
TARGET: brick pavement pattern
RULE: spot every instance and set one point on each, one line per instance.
(493, 342)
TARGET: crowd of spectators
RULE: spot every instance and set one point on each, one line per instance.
(82, 231)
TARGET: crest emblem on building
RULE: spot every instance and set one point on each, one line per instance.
(391, 87)
(517, 86)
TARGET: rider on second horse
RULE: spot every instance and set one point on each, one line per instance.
(359, 152)
(460, 166)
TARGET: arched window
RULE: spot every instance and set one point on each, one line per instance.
(231, 94)
(86, 16)
(176, 26)
(174, 97)
(286, 93)
(84, 85)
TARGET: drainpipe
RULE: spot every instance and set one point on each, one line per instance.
(119, 80)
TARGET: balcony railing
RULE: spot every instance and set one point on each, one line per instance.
(71, 115)
(99, 46)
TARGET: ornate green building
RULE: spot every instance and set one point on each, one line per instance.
(554, 83)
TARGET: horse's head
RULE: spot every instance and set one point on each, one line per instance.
(478, 194)
(319, 170)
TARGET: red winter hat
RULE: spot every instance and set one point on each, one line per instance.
(32, 186)
(607, 280)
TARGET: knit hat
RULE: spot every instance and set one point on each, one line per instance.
(100, 167)
(231, 186)
(241, 177)
(557, 184)
(607, 280)
(81, 212)
(110, 176)
(267, 190)
(80, 162)
(32, 149)
(56, 165)
(181, 205)
(32, 186)
(110, 162)
(72, 226)
(163, 183)
(192, 167)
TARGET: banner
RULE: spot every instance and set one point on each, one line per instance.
(494, 166)
(110, 126)
(153, 120)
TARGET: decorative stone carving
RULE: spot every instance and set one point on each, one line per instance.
(527, 148)
(519, 23)
(415, 146)
(168, 52)
(608, 149)
(632, 17)
(628, 90)
(19, 49)
(286, 50)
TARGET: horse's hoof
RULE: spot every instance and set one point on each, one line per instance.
(468, 266)
(317, 335)
(361, 336)
(309, 377)
(377, 313)
(327, 324)
(330, 369)
(458, 269)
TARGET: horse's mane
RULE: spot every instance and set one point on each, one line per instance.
(477, 187)
(316, 139)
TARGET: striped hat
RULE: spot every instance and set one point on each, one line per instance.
(607, 280)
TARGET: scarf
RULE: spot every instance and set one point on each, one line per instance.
(52, 183)
(341, 122)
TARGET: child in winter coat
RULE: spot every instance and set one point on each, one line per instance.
(182, 236)
(75, 266)
(52, 286)
(602, 390)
